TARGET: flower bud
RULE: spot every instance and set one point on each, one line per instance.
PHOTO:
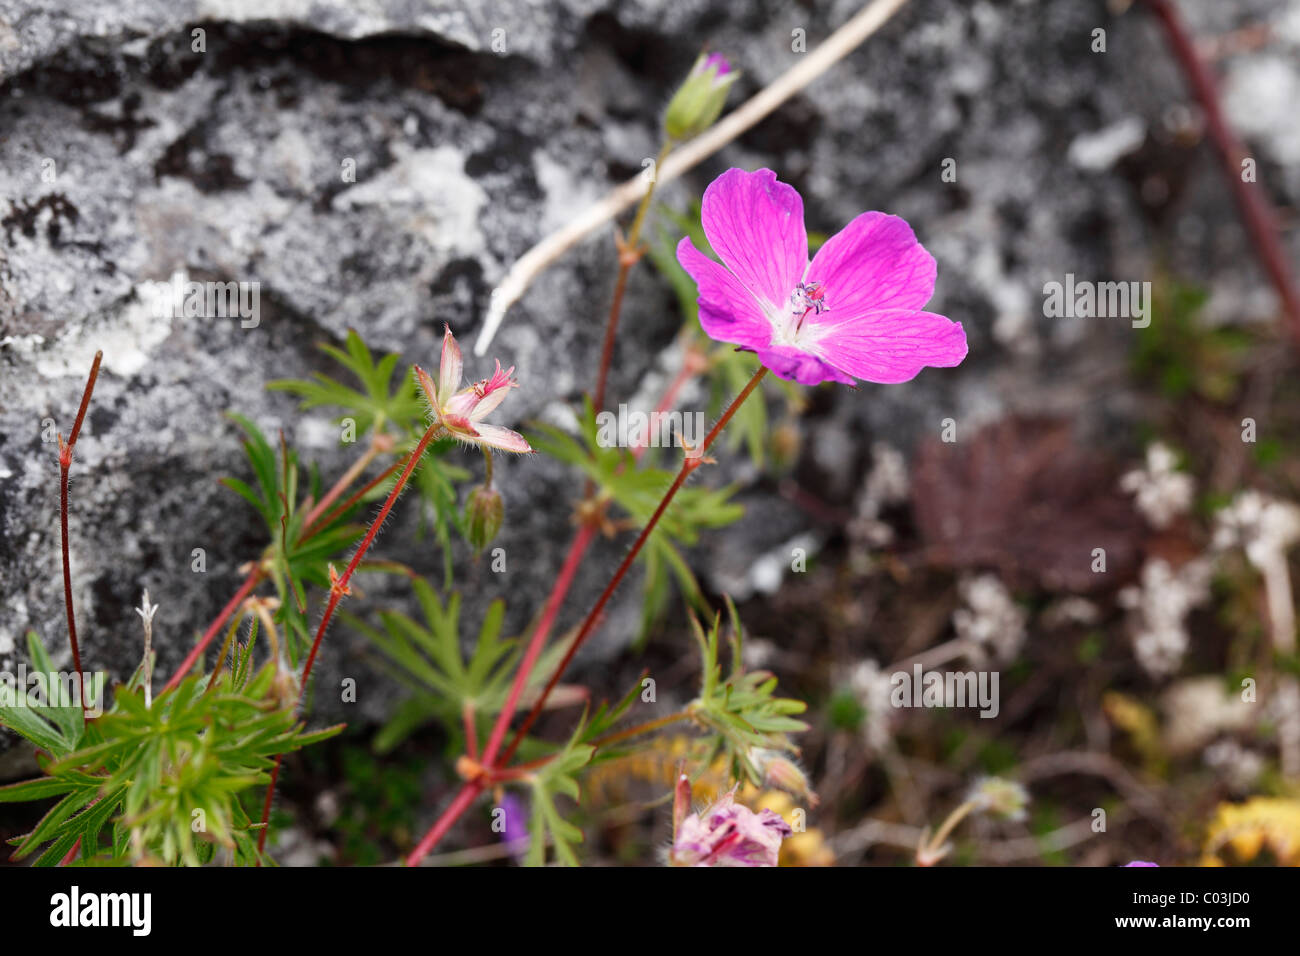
(484, 512)
(779, 771)
(699, 101)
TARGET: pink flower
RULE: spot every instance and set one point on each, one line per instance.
(462, 412)
(854, 312)
(729, 834)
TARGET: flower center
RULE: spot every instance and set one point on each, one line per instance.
(808, 296)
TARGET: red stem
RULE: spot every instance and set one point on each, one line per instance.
(324, 522)
(458, 806)
(625, 263)
(1255, 208)
(65, 464)
(337, 590)
(563, 581)
(472, 788)
(252, 581)
(693, 459)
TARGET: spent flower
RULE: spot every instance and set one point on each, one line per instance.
(729, 834)
(461, 410)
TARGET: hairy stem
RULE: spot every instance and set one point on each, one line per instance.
(337, 590)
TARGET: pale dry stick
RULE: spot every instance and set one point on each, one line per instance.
(1281, 618)
(872, 832)
(810, 66)
(146, 612)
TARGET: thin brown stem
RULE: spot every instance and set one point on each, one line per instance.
(629, 253)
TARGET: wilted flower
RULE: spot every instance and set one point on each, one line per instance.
(700, 100)
(854, 312)
(462, 412)
(729, 834)
(1003, 798)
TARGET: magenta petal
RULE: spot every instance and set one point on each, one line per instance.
(755, 225)
(796, 365)
(873, 263)
(728, 312)
(892, 345)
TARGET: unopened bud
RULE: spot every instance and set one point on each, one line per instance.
(699, 101)
(782, 772)
(484, 512)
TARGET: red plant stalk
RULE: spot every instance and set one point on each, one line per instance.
(252, 581)
(65, 464)
(1255, 208)
(338, 589)
(629, 253)
(694, 458)
(563, 581)
(313, 523)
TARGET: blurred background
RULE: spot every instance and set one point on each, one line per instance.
(953, 521)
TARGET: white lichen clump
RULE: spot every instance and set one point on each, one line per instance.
(885, 485)
(1158, 608)
(1160, 492)
(991, 621)
(871, 687)
(1262, 526)
(1238, 767)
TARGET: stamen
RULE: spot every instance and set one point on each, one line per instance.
(808, 296)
